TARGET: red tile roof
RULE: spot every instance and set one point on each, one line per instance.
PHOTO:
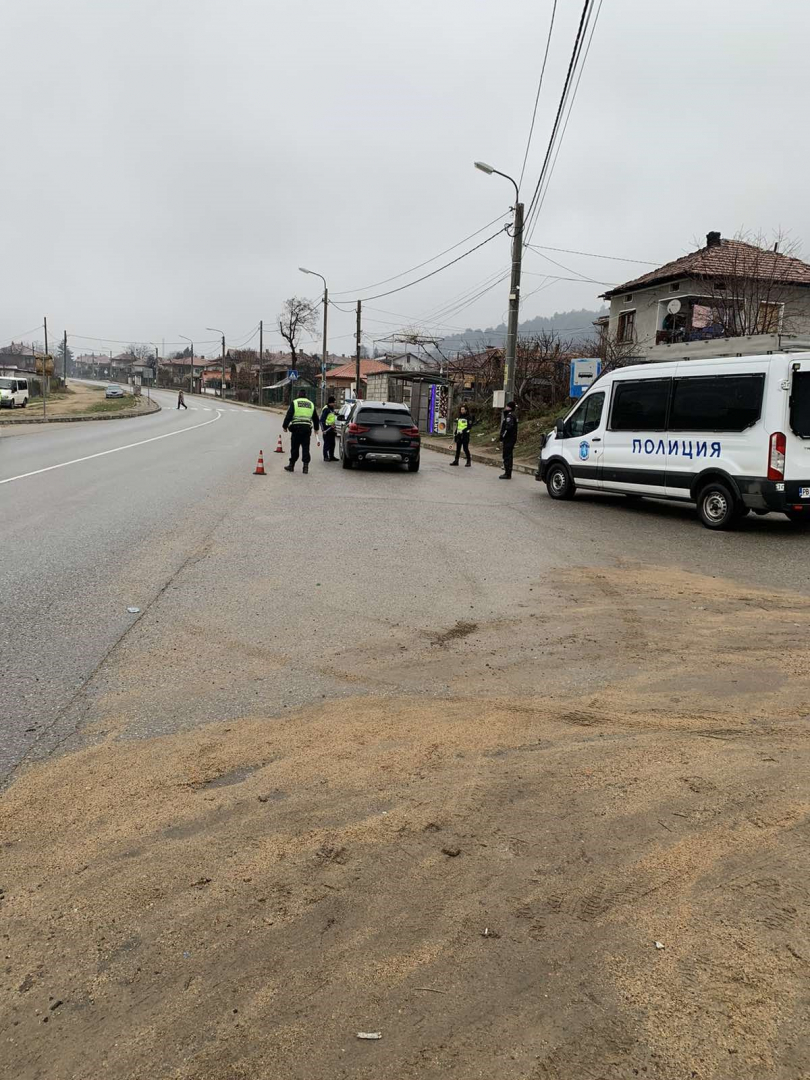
(726, 259)
(367, 367)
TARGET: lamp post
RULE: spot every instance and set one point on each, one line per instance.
(514, 286)
(191, 376)
(325, 312)
(214, 330)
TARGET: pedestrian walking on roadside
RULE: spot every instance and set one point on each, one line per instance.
(300, 419)
(328, 419)
(508, 437)
(181, 401)
(463, 424)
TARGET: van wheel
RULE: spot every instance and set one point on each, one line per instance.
(25, 402)
(717, 507)
(559, 483)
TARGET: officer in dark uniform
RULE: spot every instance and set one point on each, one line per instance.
(328, 418)
(299, 421)
(463, 425)
(508, 438)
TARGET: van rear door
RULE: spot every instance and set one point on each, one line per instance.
(797, 429)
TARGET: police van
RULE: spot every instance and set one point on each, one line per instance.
(731, 435)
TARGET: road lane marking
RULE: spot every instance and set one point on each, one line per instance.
(115, 449)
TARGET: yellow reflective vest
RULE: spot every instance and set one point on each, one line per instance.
(461, 425)
(303, 411)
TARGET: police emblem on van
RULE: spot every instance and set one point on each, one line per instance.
(584, 450)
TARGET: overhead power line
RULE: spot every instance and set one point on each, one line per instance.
(413, 269)
(590, 254)
(537, 96)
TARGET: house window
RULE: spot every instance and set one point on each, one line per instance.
(627, 327)
(628, 298)
(675, 286)
(769, 318)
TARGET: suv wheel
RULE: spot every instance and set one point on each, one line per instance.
(345, 460)
(559, 483)
(413, 464)
(717, 507)
(798, 517)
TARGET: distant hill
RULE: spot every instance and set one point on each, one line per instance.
(577, 325)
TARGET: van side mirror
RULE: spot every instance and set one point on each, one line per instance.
(560, 428)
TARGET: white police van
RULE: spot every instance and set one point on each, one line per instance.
(731, 435)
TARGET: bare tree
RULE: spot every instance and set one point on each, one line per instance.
(142, 352)
(299, 316)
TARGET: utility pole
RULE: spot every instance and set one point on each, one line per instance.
(261, 361)
(324, 354)
(357, 359)
(222, 395)
(514, 306)
(64, 357)
(44, 376)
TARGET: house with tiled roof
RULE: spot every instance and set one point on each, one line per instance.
(343, 378)
(728, 298)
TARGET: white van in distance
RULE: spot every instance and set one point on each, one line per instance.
(13, 392)
(731, 435)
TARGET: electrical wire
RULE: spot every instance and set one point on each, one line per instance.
(589, 254)
(539, 206)
(586, 9)
(537, 97)
(14, 339)
(413, 269)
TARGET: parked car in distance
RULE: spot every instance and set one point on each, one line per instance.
(113, 390)
(13, 392)
(380, 431)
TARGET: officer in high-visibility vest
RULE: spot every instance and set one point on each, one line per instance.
(328, 418)
(300, 419)
(463, 424)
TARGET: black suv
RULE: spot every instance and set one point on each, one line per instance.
(380, 431)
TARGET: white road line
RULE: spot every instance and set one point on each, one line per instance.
(103, 453)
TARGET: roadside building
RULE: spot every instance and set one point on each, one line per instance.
(725, 299)
(340, 381)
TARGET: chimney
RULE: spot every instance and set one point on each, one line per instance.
(712, 239)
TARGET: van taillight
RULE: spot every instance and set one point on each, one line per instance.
(776, 456)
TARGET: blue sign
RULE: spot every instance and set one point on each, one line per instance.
(584, 374)
(292, 374)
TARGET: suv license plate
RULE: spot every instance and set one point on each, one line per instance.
(804, 493)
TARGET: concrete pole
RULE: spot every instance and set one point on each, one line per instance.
(514, 306)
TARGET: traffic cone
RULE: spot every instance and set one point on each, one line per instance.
(279, 448)
(259, 470)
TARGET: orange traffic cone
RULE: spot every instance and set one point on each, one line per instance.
(259, 470)
(279, 448)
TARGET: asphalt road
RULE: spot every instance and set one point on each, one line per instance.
(260, 594)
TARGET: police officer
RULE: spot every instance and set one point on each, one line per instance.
(299, 421)
(328, 418)
(463, 425)
(508, 437)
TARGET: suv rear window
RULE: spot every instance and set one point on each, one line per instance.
(384, 416)
(800, 404)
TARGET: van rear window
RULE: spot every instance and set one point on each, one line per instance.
(716, 402)
(800, 404)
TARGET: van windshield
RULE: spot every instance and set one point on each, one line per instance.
(800, 404)
(6, 384)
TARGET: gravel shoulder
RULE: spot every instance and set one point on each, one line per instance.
(481, 872)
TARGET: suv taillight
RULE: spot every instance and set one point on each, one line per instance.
(411, 432)
(356, 429)
(776, 456)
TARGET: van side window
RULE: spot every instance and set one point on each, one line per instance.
(586, 418)
(800, 404)
(716, 402)
(640, 405)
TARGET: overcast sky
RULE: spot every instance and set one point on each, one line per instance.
(166, 165)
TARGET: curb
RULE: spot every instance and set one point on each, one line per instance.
(230, 401)
(77, 419)
(480, 459)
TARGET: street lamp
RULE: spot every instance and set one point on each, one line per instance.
(514, 286)
(191, 376)
(214, 330)
(304, 270)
